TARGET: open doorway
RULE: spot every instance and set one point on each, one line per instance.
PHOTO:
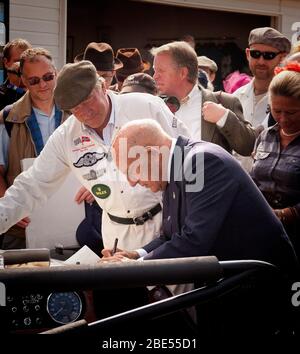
(220, 35)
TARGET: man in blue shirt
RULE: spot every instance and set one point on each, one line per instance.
(29, 122)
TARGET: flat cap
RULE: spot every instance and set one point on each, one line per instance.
(269, 36)
(206, 62)
(139, 82)
(74, 84)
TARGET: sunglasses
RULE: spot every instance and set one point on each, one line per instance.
(11, 71)
(256, 54)
(36, 80)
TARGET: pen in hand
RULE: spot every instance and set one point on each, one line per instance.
(114, 250)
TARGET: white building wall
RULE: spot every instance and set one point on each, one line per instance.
(264, 7)
(290, 20)
(42, 23)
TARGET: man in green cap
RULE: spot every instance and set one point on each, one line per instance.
(83, 145)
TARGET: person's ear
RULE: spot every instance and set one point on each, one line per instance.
(247, 51)
(153, 154)
(153, 163)
(212, 76)
(183, 72)
(103, 87)
(5, 62)
(152, 149)
(282, 56)
(24, 81)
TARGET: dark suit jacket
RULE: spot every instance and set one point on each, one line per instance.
(237, 134)
(228, 218)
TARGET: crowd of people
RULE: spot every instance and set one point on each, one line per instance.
(248, 204)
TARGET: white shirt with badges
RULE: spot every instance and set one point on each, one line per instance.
(79, 148)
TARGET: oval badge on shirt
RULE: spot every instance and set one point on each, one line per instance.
(101, 191)
(261, 155)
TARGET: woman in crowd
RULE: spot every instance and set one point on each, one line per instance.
(276, 170)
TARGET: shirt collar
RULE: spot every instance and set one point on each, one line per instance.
(41, 113)
(274, 128)
(112, 113)
(191, 94)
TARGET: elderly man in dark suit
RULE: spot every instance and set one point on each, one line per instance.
(210, 207)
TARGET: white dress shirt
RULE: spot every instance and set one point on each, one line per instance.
(190, 112)
(255, 110)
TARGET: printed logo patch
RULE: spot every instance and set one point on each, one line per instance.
(82, 140)
(101, 191)
(94, 174)
(89, 159)
(174, 122)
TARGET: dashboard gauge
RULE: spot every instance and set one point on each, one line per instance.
(64, 307)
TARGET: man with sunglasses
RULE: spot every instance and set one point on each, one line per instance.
(29, 122)
(267, 49)
(12, 89)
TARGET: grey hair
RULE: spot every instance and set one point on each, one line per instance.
(32, 55)
(143, 132)
(183, 55)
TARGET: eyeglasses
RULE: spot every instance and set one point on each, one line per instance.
(256, 54)
(12, 71)
(36, 80)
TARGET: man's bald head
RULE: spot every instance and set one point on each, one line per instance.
(141, 149)
(142, 132)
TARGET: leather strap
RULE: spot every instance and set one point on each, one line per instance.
(139, 220)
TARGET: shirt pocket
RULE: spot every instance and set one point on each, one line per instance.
(290, 169)
(261, 152)
(261, 155)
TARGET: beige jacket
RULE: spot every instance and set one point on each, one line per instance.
(21, 144)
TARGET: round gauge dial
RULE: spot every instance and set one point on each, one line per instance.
(64, 307)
